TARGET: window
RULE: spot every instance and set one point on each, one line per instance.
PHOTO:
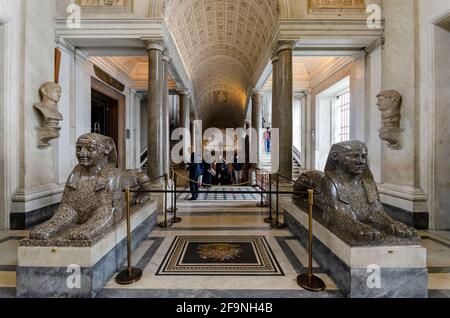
(342, 123)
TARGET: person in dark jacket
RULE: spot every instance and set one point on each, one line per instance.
(207, 176)
(195, 172)
(238, 169)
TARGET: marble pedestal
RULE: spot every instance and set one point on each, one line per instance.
(50, 271)
(402, 269)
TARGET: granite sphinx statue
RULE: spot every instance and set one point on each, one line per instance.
(92, 200)
(389, 103)
(48, 110)
(348, 201)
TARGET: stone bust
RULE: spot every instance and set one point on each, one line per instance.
(92, 200)
(389, 103)
(349, 200)
(48, 109)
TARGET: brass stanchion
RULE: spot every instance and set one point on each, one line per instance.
(262, 204)
(277, 224)
(166, 223)
(309, 281)
(129, 275)
(270, 218)
(175, 219)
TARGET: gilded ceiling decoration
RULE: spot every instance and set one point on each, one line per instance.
(220, 42)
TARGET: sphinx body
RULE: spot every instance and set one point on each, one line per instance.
(92, 200)
(349, 201)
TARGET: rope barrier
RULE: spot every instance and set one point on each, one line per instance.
(209, 185)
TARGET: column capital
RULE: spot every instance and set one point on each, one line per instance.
(274, 57)
(299, 94)
(184, 92)
(285, 45)
(256, 92)
(155, 45)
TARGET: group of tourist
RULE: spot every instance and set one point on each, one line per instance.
(219, 172)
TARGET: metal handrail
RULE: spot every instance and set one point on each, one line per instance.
(145, 159)
(297, 155)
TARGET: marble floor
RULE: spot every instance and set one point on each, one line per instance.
(228, 218)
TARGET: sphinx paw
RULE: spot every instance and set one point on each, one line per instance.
(402, 230)
(40, 234)
(78, 236)
(370, 235)
(142, 199)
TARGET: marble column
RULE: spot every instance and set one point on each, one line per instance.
(310, 131)
(247, 144)
(274, 100)
(166, 112)
(283, 108)
(185, 111)
(274, 87)
(198, 137)
(192, 130)
(155, 167)
(257, 105)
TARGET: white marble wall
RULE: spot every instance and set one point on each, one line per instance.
(358, 98)
(324, 125)
(30, 171)
(401, 183)
(372, 118)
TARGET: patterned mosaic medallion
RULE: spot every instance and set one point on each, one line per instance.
(219, 256)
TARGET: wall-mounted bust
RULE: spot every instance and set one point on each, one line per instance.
(48, 110)
(389, 103)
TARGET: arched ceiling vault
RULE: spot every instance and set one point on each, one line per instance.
(220, 42)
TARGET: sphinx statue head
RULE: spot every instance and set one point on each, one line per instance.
(349, 199)
(93, 200)
(348, 157)
(94, 150)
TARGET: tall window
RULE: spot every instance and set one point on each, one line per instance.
(342, 132)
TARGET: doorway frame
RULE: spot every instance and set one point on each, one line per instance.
(432, 195)
(5, 114)
(103, 88)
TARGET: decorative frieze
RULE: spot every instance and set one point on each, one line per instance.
(337, 5)
(106, 6)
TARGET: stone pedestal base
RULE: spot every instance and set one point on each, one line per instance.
(80, 271)
(363, 272)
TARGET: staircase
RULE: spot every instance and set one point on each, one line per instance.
(266, 163)
(144, 153)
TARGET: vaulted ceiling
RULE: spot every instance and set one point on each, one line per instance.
(220, 42)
